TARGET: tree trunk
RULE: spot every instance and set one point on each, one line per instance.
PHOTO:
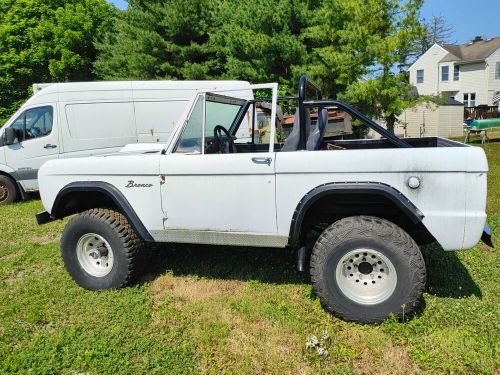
(390, 121)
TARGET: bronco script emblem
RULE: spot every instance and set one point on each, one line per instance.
(132, 183)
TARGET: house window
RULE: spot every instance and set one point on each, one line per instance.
(470, 99)
(420, 76)
(497, 70)
(456, 72)
(445, 70)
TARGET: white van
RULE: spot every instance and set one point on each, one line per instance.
(64, 120)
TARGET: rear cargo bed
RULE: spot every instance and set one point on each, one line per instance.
(356, 144)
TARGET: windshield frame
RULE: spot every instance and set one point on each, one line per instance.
(217, 93)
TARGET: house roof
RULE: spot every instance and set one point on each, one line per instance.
(473, 51)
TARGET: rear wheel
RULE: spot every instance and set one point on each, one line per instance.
(101, 250)
(8, 191)
(365, 268)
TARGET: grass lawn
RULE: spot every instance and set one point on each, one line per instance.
(225, 310)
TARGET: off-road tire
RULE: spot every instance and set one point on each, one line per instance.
(384, 237)
(129, 251)
(8, 190)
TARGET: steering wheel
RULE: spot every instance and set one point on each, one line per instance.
(30, 133)
(224, 144)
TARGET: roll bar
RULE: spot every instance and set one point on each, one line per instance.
(304, 84)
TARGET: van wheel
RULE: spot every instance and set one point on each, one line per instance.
(365, 268)
(8, 191)
(101, 250)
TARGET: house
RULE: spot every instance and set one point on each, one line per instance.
(468, 73)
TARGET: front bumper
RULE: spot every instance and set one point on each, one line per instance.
(486, 236)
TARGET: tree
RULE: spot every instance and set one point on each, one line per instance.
(339, 42)
(161, 39)
(437, 30)
(334, 41)
(254, 40)
(47, 41)
(263, 40)
(393, 29)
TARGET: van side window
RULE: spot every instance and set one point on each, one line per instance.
(18, 127)
(33, 123)
(38, 122)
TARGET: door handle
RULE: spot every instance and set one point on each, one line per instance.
(262, 160)
(48, 145)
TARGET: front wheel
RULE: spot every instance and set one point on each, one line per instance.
(365, 268)
(8, 191)
(101, 250)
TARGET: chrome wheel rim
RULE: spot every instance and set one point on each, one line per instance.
(4, 192)
(94, 254)
(366, 276)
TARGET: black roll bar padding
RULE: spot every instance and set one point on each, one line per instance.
(304, 83)
(355, 113)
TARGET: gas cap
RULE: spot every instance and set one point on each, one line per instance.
(414, 182)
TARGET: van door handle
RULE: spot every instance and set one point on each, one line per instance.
(262, 160)
(48, 145)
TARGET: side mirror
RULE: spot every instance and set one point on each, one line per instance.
(9, 136)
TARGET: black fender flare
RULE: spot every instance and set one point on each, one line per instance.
(57, 211)
(376, 188)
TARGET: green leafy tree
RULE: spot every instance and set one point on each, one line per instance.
(161, 39)
(47, 41)
(340, 42)
(386, 94)
(263, 41)
(335, 42)
(254, 40)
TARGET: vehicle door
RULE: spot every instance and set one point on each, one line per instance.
(225, 192)
(37, 140)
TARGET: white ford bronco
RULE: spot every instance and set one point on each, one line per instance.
(358, 209)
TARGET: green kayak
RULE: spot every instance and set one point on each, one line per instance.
(485, 124)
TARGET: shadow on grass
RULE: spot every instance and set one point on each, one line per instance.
(276, 266)
(446, 275)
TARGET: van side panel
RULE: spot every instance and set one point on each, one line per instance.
(97, 128)
(156, 119)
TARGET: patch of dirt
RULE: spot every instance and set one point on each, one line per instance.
(394, 360)
(49, 238)
(192, 289)
(267, 348)
(41, 240)
(14, 278)
(8, 256)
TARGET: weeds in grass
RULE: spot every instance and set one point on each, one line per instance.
(320, 345)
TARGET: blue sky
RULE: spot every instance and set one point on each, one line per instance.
(468, 18)
(119, 3)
